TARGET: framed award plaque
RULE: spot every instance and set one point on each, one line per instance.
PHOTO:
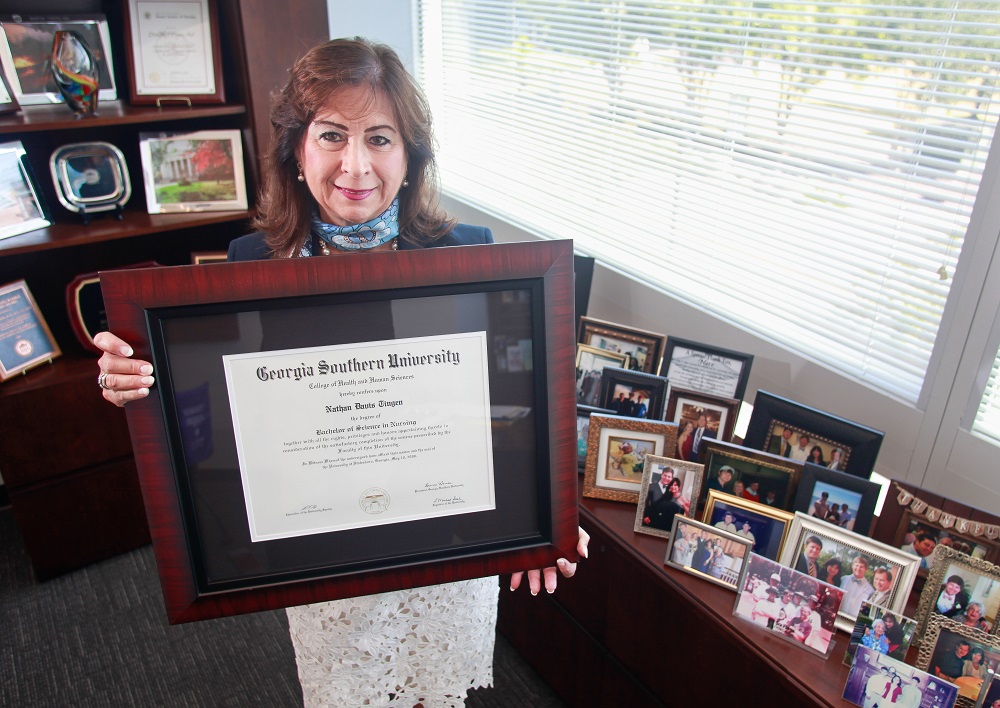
(25, 338)
(325, 428)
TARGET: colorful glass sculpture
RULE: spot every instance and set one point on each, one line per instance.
(75, 72)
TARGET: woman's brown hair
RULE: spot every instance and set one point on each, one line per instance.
(285, 206)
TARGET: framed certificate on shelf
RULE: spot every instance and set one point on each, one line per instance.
(173, 52)
(347, 430)
(25, 338)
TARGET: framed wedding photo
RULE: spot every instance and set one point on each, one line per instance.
(26, 48)
(376, 364)
(21, 206)
(685, 407)
(784, 427)
(590, 363)
(840, 498)
(864, 569)
(633, 393)
(960, 654)
(961, 588)
(711, 370)
(616, 455)
(642, 349)
(707, 553)
(669, 487)
(749, 474)
(193, 172)
(766, 527)
(173, 52)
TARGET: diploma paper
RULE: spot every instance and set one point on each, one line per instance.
(172, 48)
(708, 373)
(342, 437)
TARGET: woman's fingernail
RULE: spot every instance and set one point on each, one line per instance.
(146, 380)
(126, 351)
(561, 562)
(143, 391)
(145, 369)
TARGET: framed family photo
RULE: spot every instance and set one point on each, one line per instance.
(583, 430)
(865, 569)
(711, 370)
(686, 407)
(616, 455)
(764, 526)
(840, 498)
(789, 429)
(749, 474)
(633, 393)
(965, 656)
(789, 604)
(668, 487)
(642, 349)
(883, 631)
(707, 553)
(960, 588)
(875, 677)
(193, 172)
(590, 363)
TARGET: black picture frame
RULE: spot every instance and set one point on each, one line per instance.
(615, 381)
(705, 368)
(865, 491)
(771, 411)
(191, 474)
(583, 413)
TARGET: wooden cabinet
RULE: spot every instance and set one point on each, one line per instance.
(627, 630)
(64, 452)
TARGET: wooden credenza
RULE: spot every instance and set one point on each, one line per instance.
(629, 631)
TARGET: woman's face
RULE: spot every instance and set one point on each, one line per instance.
(832, 570)
(973, 612)
(353, 157)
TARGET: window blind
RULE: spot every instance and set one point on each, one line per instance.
(805, 171)
(987, 422)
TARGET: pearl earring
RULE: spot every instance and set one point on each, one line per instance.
(301, 177)
(406, 183)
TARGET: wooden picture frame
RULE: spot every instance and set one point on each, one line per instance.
(684, 537)
(772, 414)
(941, 638)
(198, 510)
(711, 370)
(747, 465)
(655, 511)
(643, 349)
(861, 496)
(846, 546)
(685, 406)
(616, 453)
(633, 394)
(174, 56)
(768, 525)
(982, 576)
(204, 257)
(590, 363)
(26, 47)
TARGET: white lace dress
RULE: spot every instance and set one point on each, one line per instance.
(428, 645)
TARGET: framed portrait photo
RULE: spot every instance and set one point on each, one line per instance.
(864, 569)
(749, 474)
(642, 349)
(764, 526)
(583, 430)
(789, 604)
(173, 52)
(783, 427)
(840, 498)
(668, 488)
(616, 455)
(875, 676)
(378, 364)
(192, 172)
(707, 553)
(686, 408)
(633, 394)
(26, 49)
(960, 588)
(989, 697)
(882, 631)
(963, 655)
(590, 363)
(704, 368)
(21, 206)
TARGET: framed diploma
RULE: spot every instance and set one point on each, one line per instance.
(173, 52)
(350, 433)
(25, 338)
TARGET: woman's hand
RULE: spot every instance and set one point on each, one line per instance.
(122, 379)
(548, 575)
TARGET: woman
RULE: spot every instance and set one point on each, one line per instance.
(975, 665)
(893, 632)
(660, 514)
(893, 690)
(876, 639)
(719, 563)
(684, 441)
(350, 168)
(683, 549)
(973, 617)
(831, 572)
(738, 488)
(816, 456)
(833, 514)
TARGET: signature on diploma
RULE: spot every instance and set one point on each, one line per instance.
(448, 501)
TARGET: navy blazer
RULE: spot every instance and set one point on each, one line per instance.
(253, 247)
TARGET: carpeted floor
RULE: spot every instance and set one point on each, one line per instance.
(99, 637)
